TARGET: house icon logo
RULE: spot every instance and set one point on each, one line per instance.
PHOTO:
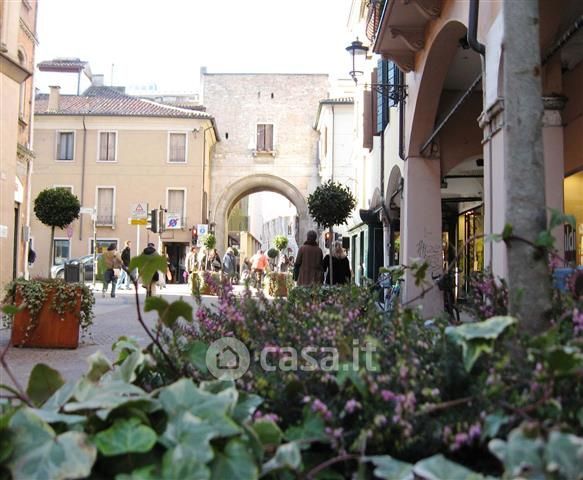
(227, 357)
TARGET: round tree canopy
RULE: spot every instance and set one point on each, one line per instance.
(56, 207)
(209, 241)
(331, 204)
(280, 242)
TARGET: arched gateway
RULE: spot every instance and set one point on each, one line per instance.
(253, 184)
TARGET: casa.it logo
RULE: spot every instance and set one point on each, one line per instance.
(227, 357)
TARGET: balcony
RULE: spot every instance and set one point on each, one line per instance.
(401, 32)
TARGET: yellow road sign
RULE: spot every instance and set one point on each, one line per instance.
(139, 221)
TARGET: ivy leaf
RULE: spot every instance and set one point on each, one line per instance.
(348, 371)
(169, 313)
(103, 396)
(40, 454)
(56, 417)
(125, 436)
(545, 240)
(99, 364)
(564, 359)
(197, 355)
(312, 429)
(558, 218)
(492, 424)
(564, 453)
(43, 382)
(268, 432)
(126, 372)
(235, 462)
(440, 468)
(388, 468)
(179, 463)
(145, 473)
(246, 405)
(519, 454)
(287, 456)
(148, 265)
(60, 397)
(190, 433)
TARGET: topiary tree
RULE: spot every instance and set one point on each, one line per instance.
(329, 205)
(280, 242)
(272, 253)
(209, 242)
(56, 207)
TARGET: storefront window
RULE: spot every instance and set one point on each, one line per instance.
(574, 206)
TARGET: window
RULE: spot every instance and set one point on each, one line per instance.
(61, 251)
(102, 244)
(105, 204)
(107, 146)
(22, 101)
(65, 145)
(177, 147)
(264, 137)
(175, 206)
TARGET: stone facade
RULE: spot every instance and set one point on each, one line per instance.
(241, 102)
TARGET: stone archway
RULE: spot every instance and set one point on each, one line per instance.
(254, 184)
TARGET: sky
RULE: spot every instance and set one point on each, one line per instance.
(165, 42)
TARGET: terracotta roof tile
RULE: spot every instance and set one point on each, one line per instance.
(112, 105)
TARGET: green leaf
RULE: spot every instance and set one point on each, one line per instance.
(440, 468)
(558, 218)
(190, 433)
(99, 364)
(10, 309)
(268, 432)
(61, 396)
(545, 239)
(312, 429)
(110, 395)
(519, 454)
(178, 463)
(126, 372)
(388, 468)
(287, 456)
(197, 355)
(169, 313)
(125, 436)
(6, 445)
(40, 454)
(507, 232)
(492, 424)
(564, 453)
(145, 473)
(51, 416)
(348, 371)
(148, 265)
(246, 405)
(564, 360)
(42, 383)
(235, 462)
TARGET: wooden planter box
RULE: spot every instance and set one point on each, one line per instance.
(276, 284)
(52, 331)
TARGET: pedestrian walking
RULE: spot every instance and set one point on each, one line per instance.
(111, 261)
(259, 263)
(308, 266)
(340, 266)
(123, 282)
(191, 262)
(214, 260)
(229, 266)
(151, 286)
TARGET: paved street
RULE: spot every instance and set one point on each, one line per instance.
(114, 317)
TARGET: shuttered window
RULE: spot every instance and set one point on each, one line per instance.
(394, 78)
(65, 147)
(107, 144)
(177, 148)
(264, 137)
(105, 206)
(382, 99)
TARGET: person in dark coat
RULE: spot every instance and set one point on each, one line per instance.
(123, 282)
(340, 266)
(309, 261)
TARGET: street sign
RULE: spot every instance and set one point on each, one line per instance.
(86, 210)
(139, 211)
(138, 221)
(173, 220)
(202, 229)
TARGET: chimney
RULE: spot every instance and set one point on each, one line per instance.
(54, 98)
(97, 80)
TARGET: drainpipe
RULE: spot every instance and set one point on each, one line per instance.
(333, 144)
(83, 179)
(472, 35)
(202, 203)
(402, 121)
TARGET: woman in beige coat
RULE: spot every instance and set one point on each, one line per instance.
(309, 261)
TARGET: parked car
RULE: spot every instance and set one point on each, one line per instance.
(86, 262)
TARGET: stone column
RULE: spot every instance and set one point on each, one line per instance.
(421, 228)
(554, 161)
(492, 123)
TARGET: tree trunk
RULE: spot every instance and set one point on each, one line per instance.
(528, 277)
(330, 251)
(51, 250)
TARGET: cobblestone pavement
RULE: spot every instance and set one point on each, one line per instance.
(114, 317)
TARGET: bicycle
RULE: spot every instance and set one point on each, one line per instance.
(445, 283)
(389, 292)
